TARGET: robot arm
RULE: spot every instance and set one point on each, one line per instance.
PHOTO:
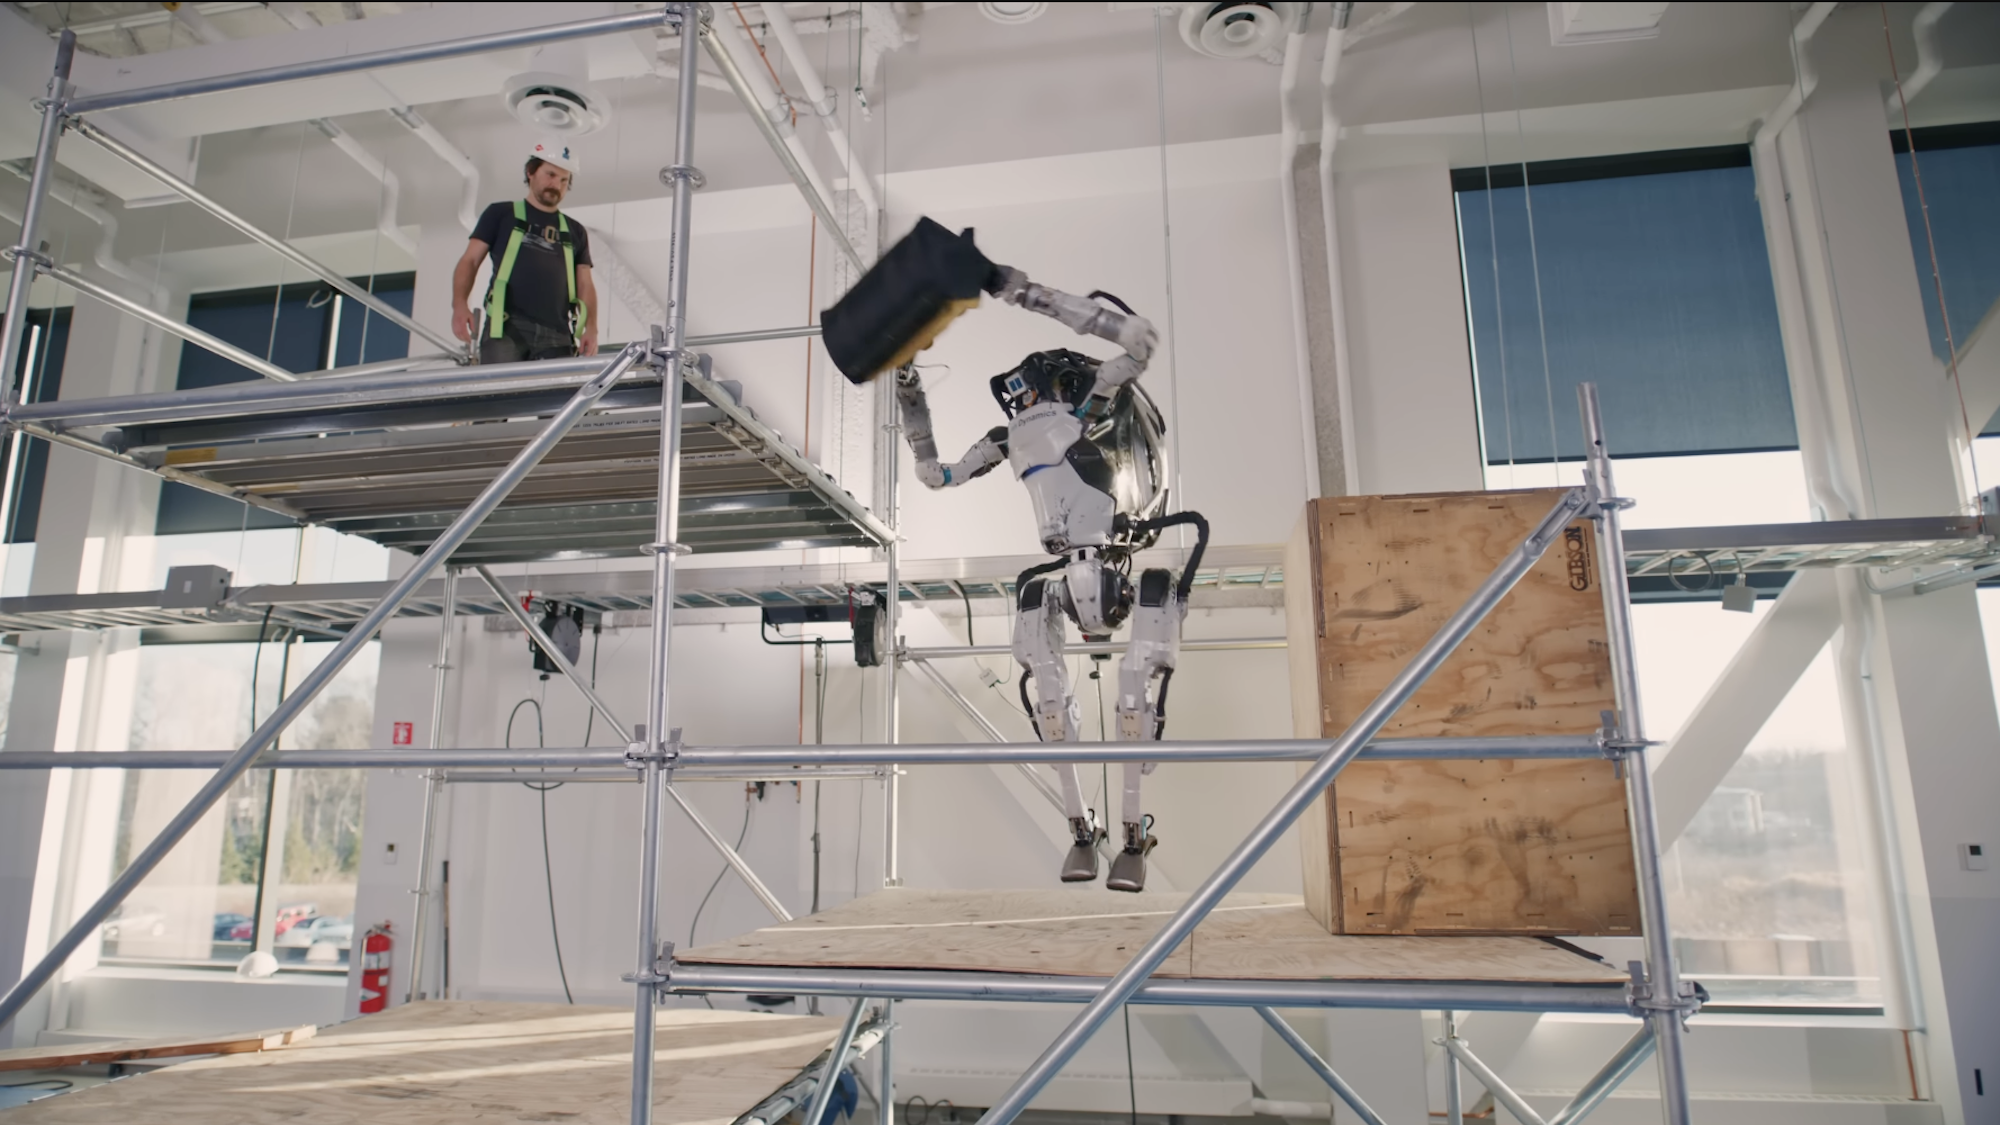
(1087, 317)
(985, 453)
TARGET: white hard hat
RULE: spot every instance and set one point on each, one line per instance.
(557, 153)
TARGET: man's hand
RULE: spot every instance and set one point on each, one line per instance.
(587, 345)
(461, 324)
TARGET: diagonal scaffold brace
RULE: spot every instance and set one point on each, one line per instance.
(1308, 789)
(266, 734)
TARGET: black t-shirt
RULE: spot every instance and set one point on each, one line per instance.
(538, 289)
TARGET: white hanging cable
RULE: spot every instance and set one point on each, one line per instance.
(1337, 39)
(1493, 247)
(817, 95)
(1534, 252)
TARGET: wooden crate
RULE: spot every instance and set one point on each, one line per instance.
(1491, 846)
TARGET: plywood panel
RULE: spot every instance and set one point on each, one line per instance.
(127, 1050)
(1392, 569)
(1484, 846)
(1442, 847)
(447, 1062)
(1279, 940)
(1090, 932)
(1247, 937)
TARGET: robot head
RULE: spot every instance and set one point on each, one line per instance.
(1060, 375)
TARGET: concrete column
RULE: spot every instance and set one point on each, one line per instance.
(1920, 660)
(72, 690)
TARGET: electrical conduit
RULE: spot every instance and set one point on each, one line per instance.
(1329, 136)
(817, 93)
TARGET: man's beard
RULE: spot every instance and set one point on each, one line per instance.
(549, 196)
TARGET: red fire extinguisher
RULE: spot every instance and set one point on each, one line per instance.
(375, 969)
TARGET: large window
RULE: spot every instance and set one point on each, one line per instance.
(1646, 274)
(297, 327)
(274, 865)
(38, 372)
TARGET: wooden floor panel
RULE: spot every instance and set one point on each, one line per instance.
(451, 1062)
(1094, 933)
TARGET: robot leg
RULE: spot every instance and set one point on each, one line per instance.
(1151, 655)
(1038, 647)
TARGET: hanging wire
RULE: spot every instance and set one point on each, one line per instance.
(1930, 243)
(1534, 253)
(1493, 241)
(1167, 249)
(291, 208)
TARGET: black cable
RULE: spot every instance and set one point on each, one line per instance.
(596, 644)
(740, 837)
(963, 596)
(1029, 710)
(42, 1083)
(1131, 1075)
(548, 864)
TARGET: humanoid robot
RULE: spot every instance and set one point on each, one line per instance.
(1086, 441)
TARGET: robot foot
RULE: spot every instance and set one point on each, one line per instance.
(1080, 866)
(1128, 867)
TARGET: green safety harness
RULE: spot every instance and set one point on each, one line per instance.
(496, 295)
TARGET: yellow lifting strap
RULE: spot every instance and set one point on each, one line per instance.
(496, 294)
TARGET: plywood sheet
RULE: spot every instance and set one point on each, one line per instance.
(1277, 940)
(447, 1062)
(1392, 569)
(127, 1050)
(1484, 846)
(1247, 937)
(1451, 847)
(1089, 932)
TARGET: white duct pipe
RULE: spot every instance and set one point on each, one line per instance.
(468, 197)
(730, 38)
(1329, 137)
(823, 107)
(468, 202)
(385, 218)
(1288, 196)
(1929, 60)
(1832, 500)
(80, 200)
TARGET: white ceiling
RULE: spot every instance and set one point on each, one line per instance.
(1081, 79)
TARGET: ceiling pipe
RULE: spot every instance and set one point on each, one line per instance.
(817, 92)
(1831, 499)
(1329, 137)
(468, 197)
(725, 34)
(468, 202)
(385, 215)
(1929, 60)
(81, 200)
(1288, 195)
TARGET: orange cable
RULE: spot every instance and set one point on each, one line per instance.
(790, 104)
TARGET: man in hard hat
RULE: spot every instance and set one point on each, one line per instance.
(541, 303)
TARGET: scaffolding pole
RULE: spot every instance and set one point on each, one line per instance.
(788, 756)
(433, 784)
(286, 250)
(1661, 995)
(653, 749)
(14, 328)
(461, 528)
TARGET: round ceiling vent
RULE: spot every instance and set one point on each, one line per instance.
(1012, 12)
(1236, 31)
(554, 103)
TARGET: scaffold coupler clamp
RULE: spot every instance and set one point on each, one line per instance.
(1641, 1000)
(641, 753)
(662, 969)
(673, 173)
(1615, 749)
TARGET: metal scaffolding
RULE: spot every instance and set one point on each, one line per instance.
(655, 753)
